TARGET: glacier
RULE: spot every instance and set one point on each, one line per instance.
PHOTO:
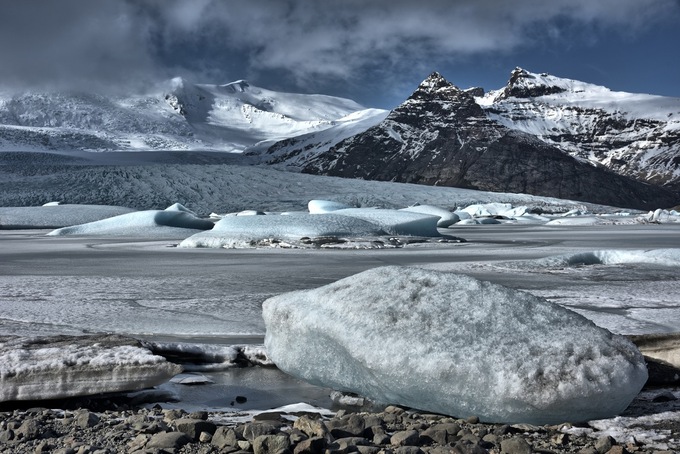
(452, 344)
(56, 215)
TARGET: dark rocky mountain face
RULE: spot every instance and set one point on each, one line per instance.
(441, 136)
(632, 134)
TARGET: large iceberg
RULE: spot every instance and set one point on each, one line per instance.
(396, 222)
(176, 219)
(452, 344)
(63, 366)
(242, 231)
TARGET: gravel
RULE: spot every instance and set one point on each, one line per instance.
(394, 430)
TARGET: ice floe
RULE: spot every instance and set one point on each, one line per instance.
(395, 222)
(68, 366)
(452, 344)
(245, 231)
(151, 223)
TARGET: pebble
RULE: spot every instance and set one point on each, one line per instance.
(395, 430)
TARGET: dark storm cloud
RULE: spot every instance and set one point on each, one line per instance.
(72, 42)
(118, 43)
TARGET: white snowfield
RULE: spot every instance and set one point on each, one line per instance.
(316, 143)
(176, 115)
(455, 345)
(54, 368)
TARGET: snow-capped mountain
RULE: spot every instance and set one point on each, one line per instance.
(296, 152)
(636, 135)
(441, 136)
(177, 116)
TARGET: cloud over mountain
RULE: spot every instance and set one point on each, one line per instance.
(119, 42)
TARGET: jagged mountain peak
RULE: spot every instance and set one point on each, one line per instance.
(442, 135)
(526, 84)
(435, 86)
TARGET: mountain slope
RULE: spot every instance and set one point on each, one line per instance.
(633, 134)
(294, 153)
(179, 116)
(441, 136)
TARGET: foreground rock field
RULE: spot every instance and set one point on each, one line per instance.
(394, 430)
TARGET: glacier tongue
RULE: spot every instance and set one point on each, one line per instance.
(67, 366)
(451, 344)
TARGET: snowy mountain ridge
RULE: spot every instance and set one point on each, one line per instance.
(637, 135)
(178, 116)
(442, 136)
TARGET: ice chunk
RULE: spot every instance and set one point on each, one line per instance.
(67, 366)
(395, 222)
(243, 231)
(446, 218)
(452, 344)
(662, 216)
(469, 221)
(325, 206)
(487, 209)
(191, 379)
(661, 346)
(579, 220)
(180, 207)
(664, 257)
(140, 223)
(250, 213)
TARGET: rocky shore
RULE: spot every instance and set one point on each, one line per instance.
(393, 430)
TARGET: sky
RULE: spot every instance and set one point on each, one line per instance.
(373, 51)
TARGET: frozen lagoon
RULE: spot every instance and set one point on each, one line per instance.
(152, 289)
